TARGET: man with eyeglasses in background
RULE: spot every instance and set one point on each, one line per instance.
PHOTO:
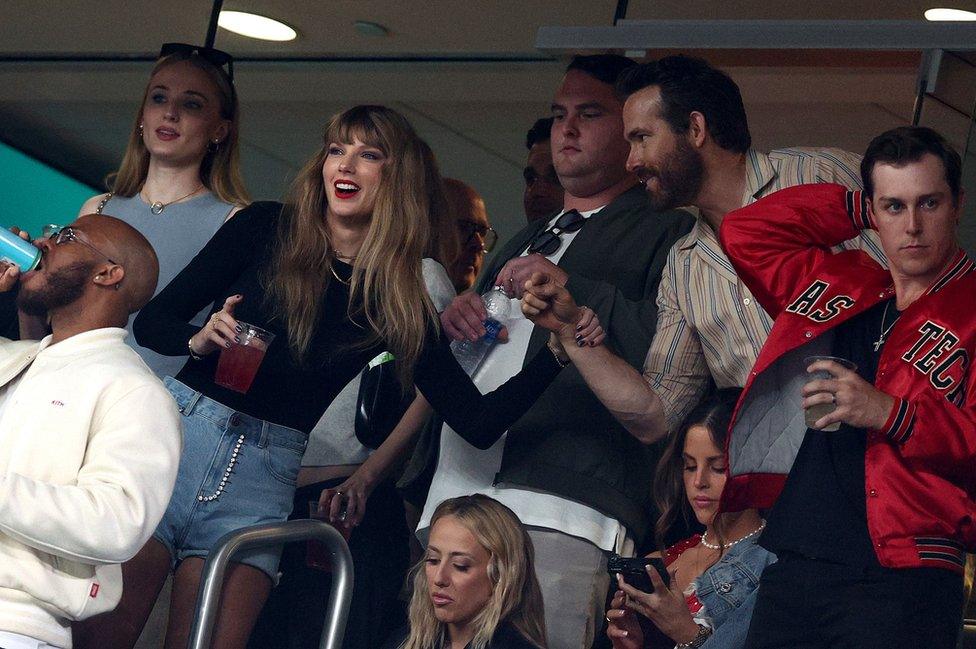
(475, 235)
(89, 437)
(573, 475)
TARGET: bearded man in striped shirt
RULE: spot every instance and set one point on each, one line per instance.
(690, 146)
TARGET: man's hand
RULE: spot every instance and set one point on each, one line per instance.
(548, 304)
(9, 275)
(859, 404)
(513, 275)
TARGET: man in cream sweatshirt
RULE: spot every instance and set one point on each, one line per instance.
(89, 438)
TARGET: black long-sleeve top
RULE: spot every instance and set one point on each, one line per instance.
(295, 395)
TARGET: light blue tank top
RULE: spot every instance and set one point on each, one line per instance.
(177, 234)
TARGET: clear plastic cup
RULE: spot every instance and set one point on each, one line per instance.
(813, 414)
(239, 363)
(317, 555)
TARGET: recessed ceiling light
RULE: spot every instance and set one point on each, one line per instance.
(367, 28)
(255, 26)
(948, 14)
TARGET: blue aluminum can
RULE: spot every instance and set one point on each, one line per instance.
(15, 250)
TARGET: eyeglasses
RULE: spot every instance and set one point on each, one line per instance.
(470, 228)
(547, 241)
(68, 234)
(219, 58)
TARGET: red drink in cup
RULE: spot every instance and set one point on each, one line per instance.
(239, 363)
(317, 555)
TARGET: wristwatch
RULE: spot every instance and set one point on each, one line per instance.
(703, 633)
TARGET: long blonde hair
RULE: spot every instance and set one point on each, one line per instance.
(220, 170)
(516, 597)
(387, 286)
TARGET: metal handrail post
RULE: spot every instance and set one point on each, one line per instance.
(229, 545)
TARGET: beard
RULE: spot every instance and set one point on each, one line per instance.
(679, 178)
(61, 288)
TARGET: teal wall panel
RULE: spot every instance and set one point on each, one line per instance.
(33, 194)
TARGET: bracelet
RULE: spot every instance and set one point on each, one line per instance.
(560, 357)
(193, 354)
(703, 633)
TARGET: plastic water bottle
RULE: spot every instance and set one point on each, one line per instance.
(470, 354)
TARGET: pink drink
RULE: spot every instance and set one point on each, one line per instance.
(238, 364)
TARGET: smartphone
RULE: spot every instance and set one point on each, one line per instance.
(634, 571)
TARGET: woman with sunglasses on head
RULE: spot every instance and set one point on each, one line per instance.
(714, 575)
(179, 179)
(335, 274)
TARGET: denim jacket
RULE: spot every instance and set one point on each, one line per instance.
(728, 592)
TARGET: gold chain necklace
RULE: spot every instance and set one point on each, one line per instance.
(336, 275)
(157, 207)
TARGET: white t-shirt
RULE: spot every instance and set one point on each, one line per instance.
(333, 440)
(462, 469)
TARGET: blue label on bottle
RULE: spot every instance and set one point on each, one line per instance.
(492, 327)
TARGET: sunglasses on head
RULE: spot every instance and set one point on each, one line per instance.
(68, 234)
(547, 241)
(218, 58)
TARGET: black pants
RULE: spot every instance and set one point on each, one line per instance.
(293, 616)
(804, 603)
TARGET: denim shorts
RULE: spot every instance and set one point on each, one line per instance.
(235, 471)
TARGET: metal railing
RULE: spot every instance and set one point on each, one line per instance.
(229, 545)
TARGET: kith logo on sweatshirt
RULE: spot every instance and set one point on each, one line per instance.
(937, 354)
(806, 304)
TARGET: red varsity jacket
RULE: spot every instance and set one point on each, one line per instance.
(920, 474)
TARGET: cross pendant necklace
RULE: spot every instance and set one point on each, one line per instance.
(884, 332)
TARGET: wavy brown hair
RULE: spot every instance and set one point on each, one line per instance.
(220, 170)
(516, 598)
(387, 288)
(714, 414)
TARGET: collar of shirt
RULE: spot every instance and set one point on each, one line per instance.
(760, 172)
(587, 214)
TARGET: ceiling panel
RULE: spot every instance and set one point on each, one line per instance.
(764, 10)
(325, 27)
(473, 113)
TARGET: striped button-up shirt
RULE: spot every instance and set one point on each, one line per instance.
(709, 326)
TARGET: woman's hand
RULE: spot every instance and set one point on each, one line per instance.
(221, 330)
(665, 607)
(346, 503)
(623, 629)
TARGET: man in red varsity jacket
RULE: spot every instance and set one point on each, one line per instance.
(870, 522)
